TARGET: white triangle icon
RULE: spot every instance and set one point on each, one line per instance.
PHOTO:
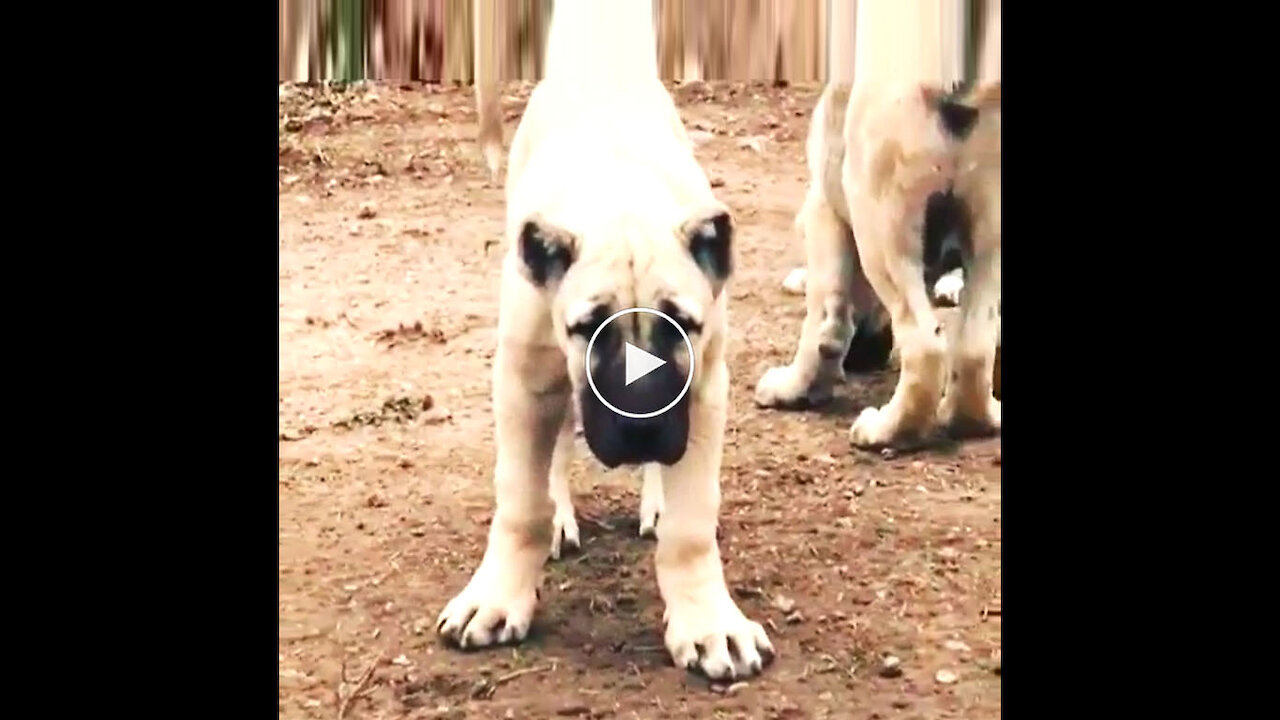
(638, 363)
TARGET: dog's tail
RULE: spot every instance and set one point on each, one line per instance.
(490, 138)
(488, 99)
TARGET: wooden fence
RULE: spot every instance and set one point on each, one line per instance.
(431, 40)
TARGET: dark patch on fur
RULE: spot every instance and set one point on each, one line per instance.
(958, 119)
(546, 253)
(948, 236)
(871, 346)
(713, 252)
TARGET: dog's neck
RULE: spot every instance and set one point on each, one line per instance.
(909, 42)
(609, 41)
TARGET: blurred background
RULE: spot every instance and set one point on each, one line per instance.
(432, 40)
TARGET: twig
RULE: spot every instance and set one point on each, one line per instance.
(521, 673)
(598, 523)
(345, 702)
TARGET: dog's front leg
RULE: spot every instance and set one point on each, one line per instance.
(899, 281)
(704, 627)
(564, 531)
(530, 395)
(828, 322)
(651, 500)
(969, 409)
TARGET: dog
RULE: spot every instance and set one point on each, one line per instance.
(608, 210)
(904, 189)
(489, 139)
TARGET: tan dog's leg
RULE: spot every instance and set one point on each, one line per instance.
(651, 500)
(564, 526)
(498, 603)
(899, 282)
(828, 321)
(702, 620)
(969, 409)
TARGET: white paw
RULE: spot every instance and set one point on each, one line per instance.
(651, 502)
(947, 290)
(564, 532)
(716, 638)
(870, 430)
(781, 387)
(795, 281)
(495, 607)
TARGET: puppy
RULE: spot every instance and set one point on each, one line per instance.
(608, 210)
(904, 189)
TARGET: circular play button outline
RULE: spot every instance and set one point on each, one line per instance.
(688, 381)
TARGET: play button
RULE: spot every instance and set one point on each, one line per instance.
(643, 382)
(639, 363)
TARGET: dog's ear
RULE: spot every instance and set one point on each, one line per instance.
(709, 235)
(546, 251)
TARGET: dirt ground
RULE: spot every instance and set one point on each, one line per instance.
(387, 318)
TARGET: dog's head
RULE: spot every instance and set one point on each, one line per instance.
(678, 268)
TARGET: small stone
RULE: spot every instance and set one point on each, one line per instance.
(946, 677)
(890, 667)
(367, 210)
(700, 137)
(901, 703)
(574, 709)
(888, 453)
(795, 618)
(784, 604)
(735, 688)
(859, 488)
(957, 645)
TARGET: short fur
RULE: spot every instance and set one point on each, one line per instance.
(608, 209)
(918, 196)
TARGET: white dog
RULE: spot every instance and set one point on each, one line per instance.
(904, 188)
(608, 210)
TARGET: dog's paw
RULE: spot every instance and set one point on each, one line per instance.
(970, 425)
(649, 521)
(946, 292)
(564, 533)
(717, 639)
(875, 427)
(781, 387)
(492, 609)
(651, 502)
(794, 283)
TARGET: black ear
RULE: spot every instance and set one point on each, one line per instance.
(710, 239)
(547, 251)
